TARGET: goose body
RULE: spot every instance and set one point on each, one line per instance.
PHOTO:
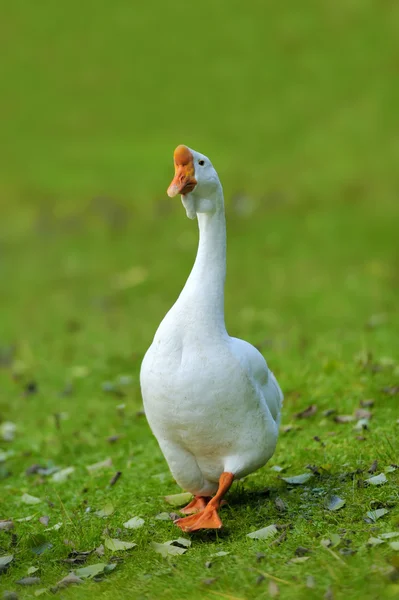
(210, 399)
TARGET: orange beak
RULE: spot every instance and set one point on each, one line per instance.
(184, 181)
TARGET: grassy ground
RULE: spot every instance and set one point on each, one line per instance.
(297, 107)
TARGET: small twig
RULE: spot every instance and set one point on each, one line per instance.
(225, 595)
(276, 578)
(115, 478)
(280, 539)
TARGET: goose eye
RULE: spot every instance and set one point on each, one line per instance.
(201, 162)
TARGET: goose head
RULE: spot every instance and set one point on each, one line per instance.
(197, 182)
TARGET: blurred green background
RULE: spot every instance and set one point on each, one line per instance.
(296, 104)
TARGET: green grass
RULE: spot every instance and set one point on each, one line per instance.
(297, 108)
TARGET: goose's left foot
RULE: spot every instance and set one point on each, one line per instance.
(196, 505)
(208, 518)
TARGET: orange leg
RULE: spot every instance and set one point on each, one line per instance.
(208, 518)
(196, 505)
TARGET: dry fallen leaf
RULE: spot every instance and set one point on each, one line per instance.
(298, 479)
(106, 511)
(344, 418)
(299, 559)
(377, 479)
(180, 542)
(116, 545)
(264, 533)
(335, 503)
(28, 581)
(374, 467)
(7, 431)
(374, 541)
(374, 515)
(70, 579)
(28, 499)
(94, 570)
(389, 535)
(366, 403)
(5, 561)
(103, 464)
(167, 549)
(6, 525)
(134, 523)
(63, 475)
(308, 412)
(361, 413)
(178, 499)
(273, 589)
(55, 527)
(163, 516)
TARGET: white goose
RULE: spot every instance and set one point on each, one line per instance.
(210, 399)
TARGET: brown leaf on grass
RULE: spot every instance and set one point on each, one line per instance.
(115, 478)
(11, 596)
(167, 549)
(6, 525)
(280, 504)
(33, 469)
(28, 581)
(391, 390)
(377, 479)
(328, 412)
(178, 499)
(335, 503)
(106, 511)
(5, 562)
(260, 556)
(374, 467)
(209, 580)
(44, 520)
(95, 570)
(163, 516)
(361, 425)
(366, 403)
(362, 413)
(308, 412)
(299, 559)
(301, 551)
(329, 594)
(264, 533)
(280, 539)
(103, 464)
(118, 545)
(273, 589)
(70, 579)
(344, 418)
(310, 582)
(288, 428)
(298, 479)
(77, 558)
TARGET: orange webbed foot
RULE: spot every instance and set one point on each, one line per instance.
(195, 506)
(205, 519)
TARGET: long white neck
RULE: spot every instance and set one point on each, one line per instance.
(202, 298)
